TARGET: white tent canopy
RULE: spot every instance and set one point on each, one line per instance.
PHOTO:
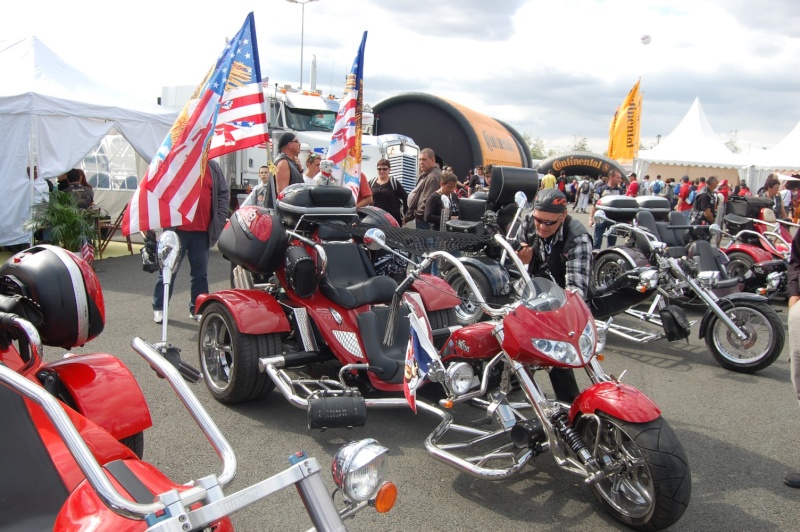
(51, 115)
(784, 156)
(693, 143)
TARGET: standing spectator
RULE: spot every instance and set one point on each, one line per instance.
(793, 291)
(429, 180)
(85, 196)
(364, 196)
(258, 196)
(549, 180)
(771, 191)
(725, 190)
(388, 193)
(287, 171)
(561, 182)
(633, 186)
(612, 188)
(584, 191)
(669, 192)
(745, 190)
(644, 187)
(786, 197)
(658, 188)
(704, 208)
(684, 205)
(312, 168)
(795, 204)
(477, 182)
(433, 205)
(197, 237)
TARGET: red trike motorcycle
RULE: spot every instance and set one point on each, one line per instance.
(374, 331)
(74, 428)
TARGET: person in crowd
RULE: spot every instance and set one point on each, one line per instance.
(429, 180)
(312, 168)
(388, 193)
(433, 205)
(557, 246)
(364, 196)
(645, 187)
(744, 190)
(196, 237)
(772, 192)
(633, 186)
(487, 177)
(793, 291)
(786, 197)
(258, 196)
(85, 196)
(84, 183)
(287, 171)
(669, 192)
(584, 192)
(478, 182)
(658, 187)
(611, 188)
(684, 206)
(549, 180)
(725, 190)
(700, 184)
(795, 204)
(561, 182)
(704, 208)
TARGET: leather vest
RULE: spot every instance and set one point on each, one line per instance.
(555, 264)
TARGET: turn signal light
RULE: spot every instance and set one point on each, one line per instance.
(600, 357)
(446, 403)
(386, 497)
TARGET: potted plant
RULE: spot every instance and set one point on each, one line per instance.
(64, 223)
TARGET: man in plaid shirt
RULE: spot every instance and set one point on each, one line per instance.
(557, 246)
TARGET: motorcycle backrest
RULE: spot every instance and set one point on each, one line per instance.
(508, 180)
(471, 210)
(680, 236)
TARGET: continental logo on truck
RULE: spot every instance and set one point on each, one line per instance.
(574, 161)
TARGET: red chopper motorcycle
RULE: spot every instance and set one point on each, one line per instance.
(76, 461)
(378, 335)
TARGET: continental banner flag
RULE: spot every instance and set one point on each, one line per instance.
(623, 133)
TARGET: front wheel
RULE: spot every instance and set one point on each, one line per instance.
(651, 483)
(229, 358)
(764, 342)
(469, 310)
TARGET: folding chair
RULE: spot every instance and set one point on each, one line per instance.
(111, 229)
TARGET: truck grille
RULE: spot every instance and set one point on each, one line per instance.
(405, 169)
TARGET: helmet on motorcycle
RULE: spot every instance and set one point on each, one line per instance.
(376, 216)
(66, 289)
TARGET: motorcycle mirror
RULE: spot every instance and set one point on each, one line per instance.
(520, 199)
(445, 202)
(169, 247)
(600, 216)
(375, 239)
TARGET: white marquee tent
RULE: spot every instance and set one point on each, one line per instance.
(783, 158)
(692, 148)
(51, 116)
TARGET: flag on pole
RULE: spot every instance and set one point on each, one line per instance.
(87, 252)
(623, 132)
(420, 355)
(345, 148)
(226, 113)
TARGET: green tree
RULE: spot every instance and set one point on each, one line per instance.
(579, 144)
(537, 147)
(732, 143)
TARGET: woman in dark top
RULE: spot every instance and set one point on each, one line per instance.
(433, 206)
(388, 193)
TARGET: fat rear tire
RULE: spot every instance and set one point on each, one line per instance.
(738, 264)
(609, 267)
(468, 311)
(229, 358)
(135, 443)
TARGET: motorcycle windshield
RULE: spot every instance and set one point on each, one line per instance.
(542, 295)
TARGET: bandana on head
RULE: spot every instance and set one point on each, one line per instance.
(550, 200)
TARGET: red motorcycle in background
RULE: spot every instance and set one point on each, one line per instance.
(379, 335)
(74, 461)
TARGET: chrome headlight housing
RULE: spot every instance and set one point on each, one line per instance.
(459, 378)
(774, 281)
(648, 280)
(565, 352)
(358, 469)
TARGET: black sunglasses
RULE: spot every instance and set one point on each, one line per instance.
(548, 223)
(383, 168)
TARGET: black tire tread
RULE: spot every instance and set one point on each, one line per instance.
(483, 286)
(135, 442)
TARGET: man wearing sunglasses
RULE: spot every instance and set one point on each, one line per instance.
(556, 245)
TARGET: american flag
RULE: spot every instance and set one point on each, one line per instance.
(420, 355)
(225, 114)
(87, 252)
(345, 149)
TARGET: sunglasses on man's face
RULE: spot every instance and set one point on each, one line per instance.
(548, 223)
(383, 168)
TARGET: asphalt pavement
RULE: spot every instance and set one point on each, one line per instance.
(740, 433)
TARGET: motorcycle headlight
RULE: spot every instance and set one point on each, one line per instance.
(587, 341)
(561, 351)
(602, 333)
(358, 469)
(774, 280)
(648, 280)
(459, 378)
(708, 279)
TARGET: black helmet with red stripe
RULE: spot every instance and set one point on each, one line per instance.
(66, 289)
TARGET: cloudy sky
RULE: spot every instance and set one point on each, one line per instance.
(552, 69)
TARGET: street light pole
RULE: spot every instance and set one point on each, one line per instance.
(302, 32)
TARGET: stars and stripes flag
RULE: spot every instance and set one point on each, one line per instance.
(345, 148)
(87, 252)
(420, 355)
(226, 113)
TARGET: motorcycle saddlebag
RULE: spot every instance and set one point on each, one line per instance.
(254, 239)
(676, 324)
(620, 209)
(301, 272)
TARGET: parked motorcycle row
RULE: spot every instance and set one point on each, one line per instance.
(308, 315)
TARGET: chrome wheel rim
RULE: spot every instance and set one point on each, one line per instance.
(217, 352)
(759, 341)
(467, 310)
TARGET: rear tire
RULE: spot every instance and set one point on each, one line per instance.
(468, 310)
(229, 358)
(135, 443)
(609, 267)
(652, 489)
(763, 346)
(739, 264)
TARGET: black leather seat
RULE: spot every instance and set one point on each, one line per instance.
(672, 238)
(351, 280)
